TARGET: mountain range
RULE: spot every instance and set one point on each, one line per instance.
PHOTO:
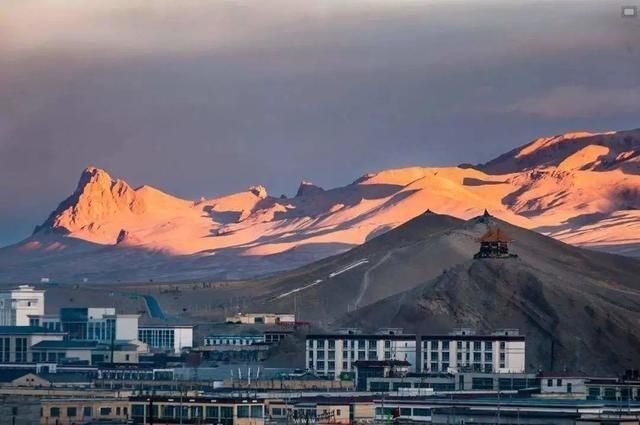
(579, 188)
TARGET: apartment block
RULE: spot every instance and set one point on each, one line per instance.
(333, 354)
(502, 351)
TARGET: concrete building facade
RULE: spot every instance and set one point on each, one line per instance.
(16, 305)
(166, 338)
(463, 350)
(333, 354)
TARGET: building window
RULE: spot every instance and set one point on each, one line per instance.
(211, 412)
(105, 411)
(445, 345)
(21, 350)
(559, 382)
(549, 382)
(71, 412)
(87, 412)
(54, 412)
(243, 412)
(256, 411)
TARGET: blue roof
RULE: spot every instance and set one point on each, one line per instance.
(25, 330)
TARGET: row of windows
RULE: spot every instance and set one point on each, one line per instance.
(221, 414)
(233, 341)
(87, 412)
(51, 357)
(460, 345)
(361, 344)
(403, 411)
(157, 338)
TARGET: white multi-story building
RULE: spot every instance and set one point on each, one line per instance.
(463, 350)
(100, 324)
(166, 338)
(16, 305)
(332, 354)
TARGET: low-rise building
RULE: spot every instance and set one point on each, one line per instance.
(88, 352)
(166, 337)
(275, 336)
(563, 384)
(205, 410)
(367, 369)
(235, 340)
(16, 342)
(449, 382)
(463, 350)
(84, 410)
(333, 354)
(625, 388)
(262, 318)
(323, 410)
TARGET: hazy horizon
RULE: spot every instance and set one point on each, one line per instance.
(201, 99)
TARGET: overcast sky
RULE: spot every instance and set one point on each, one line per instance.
(206, 97)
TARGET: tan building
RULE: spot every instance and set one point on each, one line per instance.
(77, 410)
(323, 410)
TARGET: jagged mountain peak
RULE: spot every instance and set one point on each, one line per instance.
(308, 188)
(97, 198)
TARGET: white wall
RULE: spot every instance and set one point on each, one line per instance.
(126, 327)
(183, 337)
(18, 304)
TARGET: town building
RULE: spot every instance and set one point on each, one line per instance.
(262, 319)
(333, 354)
(203, 410)
(86, 352)
(627, 387)
(563, 384)
(16, 342)
(100, 324)
(462, 350)
(16, 305)
(236, 340)
(275, 336)
(166, 338)
(84, 411)
(449, 382)
(486, 408)
(323, 410)
(367, 369)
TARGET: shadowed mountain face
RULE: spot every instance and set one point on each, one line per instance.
(578, 308)
(580, 188)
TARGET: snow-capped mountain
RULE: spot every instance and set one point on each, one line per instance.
(580, 188)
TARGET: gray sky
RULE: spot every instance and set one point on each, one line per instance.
(206, 97)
